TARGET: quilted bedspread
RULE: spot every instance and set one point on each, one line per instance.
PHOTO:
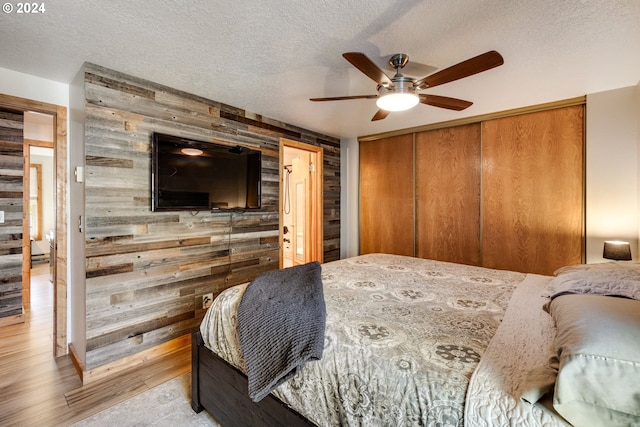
(403, 337)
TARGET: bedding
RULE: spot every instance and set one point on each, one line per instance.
(418, 342)
(592, 377)
(616, 282)
(596, 310)
(281, 323)
(598, 346)
(515, 365)
(403, 337)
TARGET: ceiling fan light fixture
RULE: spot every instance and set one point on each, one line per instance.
(399, 97)
(399, 101)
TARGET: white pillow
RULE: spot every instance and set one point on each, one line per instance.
(598, 346)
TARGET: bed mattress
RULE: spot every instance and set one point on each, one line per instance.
(403, 338)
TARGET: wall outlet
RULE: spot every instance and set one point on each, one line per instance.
(1, 217)
(206, 301)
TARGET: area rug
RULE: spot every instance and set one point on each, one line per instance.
(165, 405)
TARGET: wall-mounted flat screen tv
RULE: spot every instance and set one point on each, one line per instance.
(197, 176)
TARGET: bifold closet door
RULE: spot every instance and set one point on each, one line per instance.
(386, 196)
(448, 194)
(532, 191)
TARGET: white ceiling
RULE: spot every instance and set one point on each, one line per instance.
(270, 57)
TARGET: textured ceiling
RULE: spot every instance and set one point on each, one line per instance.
(270, 57)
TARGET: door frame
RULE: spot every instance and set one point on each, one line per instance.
(317, 223)
(59, 112)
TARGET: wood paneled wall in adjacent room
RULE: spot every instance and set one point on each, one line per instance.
(144, 269)
(11, 205)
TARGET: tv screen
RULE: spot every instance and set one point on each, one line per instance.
(195, 175)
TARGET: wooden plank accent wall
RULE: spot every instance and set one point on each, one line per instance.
(145, 269)
(11, 193)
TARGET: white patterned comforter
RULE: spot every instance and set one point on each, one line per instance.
(523, 343)
(403, 338)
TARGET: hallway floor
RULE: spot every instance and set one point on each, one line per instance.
(37, 389)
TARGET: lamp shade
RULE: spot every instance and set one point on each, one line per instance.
(617, 250)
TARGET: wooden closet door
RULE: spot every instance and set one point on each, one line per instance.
(448, 194)
(386, 196)
(532, 184)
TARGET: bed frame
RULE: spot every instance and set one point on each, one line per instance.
(222, 390)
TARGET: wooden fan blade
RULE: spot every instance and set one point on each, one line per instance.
(467, 68)
(371, 70)
(445, 102)
(341, 98)
(381, 114)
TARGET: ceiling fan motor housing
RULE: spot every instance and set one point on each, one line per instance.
(401, 96)
(399, 60)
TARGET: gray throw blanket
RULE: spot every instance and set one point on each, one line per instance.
(281, 322)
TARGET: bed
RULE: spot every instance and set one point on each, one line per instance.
(408, 341)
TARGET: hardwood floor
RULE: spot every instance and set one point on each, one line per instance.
(38, 390)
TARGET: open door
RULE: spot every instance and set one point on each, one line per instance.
(21, 224)
(301, 209)
(301, 231)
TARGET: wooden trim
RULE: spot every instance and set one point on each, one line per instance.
(580, 100)
(38, 143)
(318, 194)
(60, 347)
(23, 104)
(26, 232)
(38, 168)
(12, 320)
(135, 359)
(77, 361)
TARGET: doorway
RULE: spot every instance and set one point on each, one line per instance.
(57, 251)
(301, 206)
(39, 195)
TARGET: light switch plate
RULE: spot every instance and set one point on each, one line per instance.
(1, 217)
(79, 173)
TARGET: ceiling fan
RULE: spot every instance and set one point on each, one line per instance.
(400, 93)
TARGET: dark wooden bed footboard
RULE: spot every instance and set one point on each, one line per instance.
(221, 389)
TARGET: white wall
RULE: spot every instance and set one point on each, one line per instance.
(31, 87)
(48, 209)
(612, 175)
(612, 156)
(349, 197)
(76, 242)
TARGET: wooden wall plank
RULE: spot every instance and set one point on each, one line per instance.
(11, 203)
(145, 269)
